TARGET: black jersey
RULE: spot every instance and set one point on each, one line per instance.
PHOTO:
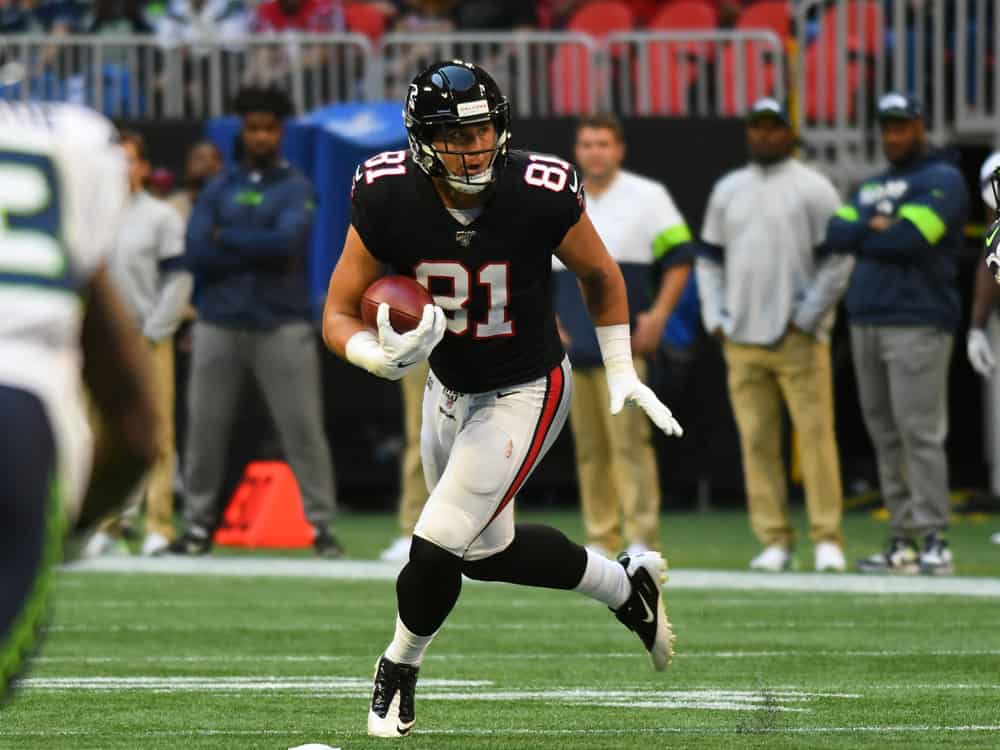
(493, 276)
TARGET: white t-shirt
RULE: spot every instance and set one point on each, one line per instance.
(637, 220)
(769, 221)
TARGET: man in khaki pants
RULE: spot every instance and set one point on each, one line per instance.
(147, 270)
(768, 290)
(641, 227)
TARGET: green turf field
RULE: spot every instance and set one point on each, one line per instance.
(180, 661)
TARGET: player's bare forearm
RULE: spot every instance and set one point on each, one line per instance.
(118, 376)
(583, 253)
(984, 297)
(356, 270)
(605, 296)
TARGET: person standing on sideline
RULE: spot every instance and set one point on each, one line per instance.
(247, 244)
(769, 288)
(641, 227)
(905, 227)
(984, 327)
(147, 268)
(203, 163)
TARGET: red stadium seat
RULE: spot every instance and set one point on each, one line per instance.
(868, 12)
(822, 107)
(570, 75)
(757, 74)
(366, 19)
(685, 14)
(570, 78)
(773, 15)
(673, 66)
(601, 17)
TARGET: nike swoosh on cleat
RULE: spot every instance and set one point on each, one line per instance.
(649, 613)
(406, 364)
(403, 730)
(504, 394)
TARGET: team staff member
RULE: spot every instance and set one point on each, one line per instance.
(247, 243)
(769, 288)
(147, 268)
(905, 228)
(640, 226)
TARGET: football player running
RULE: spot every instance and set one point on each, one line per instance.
(477, 223)
(62, 188)
(978, 347)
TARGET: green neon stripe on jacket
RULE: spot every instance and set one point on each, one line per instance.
(847, 213)
(927, 222)
(670, 238)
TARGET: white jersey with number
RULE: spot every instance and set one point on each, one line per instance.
(62, 188)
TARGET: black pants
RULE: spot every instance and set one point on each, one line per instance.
(30, 524)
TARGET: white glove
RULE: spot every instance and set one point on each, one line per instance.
(977, 346)
(993, 263)
(623, 382)
(393, 354)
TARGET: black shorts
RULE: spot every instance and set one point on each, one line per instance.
(30, 525)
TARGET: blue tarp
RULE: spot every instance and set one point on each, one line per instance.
(326, 145)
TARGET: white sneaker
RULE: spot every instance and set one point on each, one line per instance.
(398, 551)
(102, 543)
(995, 538)
(154, 544)
(637, 548)
(830, 558)
(773, 559)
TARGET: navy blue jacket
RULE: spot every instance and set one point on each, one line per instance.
(247, 246)
(572, 311)
(906, 275)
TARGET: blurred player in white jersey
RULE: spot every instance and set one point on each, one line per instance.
(61, 191)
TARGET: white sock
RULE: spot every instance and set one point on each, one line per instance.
(407, 647)
(605, 580)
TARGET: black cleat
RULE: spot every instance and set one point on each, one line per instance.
(900, 556)
(194, 541)
(392, 711)
(643, 612)
(326, 544)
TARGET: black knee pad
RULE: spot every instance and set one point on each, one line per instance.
(428, 556)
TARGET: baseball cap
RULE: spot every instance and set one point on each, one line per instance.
(897, 106)
(768, 107)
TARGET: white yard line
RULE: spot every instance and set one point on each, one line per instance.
(576, 732)
(679, 579)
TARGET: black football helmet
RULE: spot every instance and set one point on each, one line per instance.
(452, 94)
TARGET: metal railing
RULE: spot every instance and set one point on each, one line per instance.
(545, 74)
(706, 73)
(850, 52)
(136, 77)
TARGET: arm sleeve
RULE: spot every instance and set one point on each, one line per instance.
(828, 286)
(288, 238)
(201, 252)
(846, 228)
(711, 281)
(922, 222)
(172, 300)
(364, 214)
(713, 226)
(672, 243)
